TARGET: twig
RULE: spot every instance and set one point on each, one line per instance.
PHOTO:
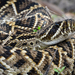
(46, 73)
(4, 42)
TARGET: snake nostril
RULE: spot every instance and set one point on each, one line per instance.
(24, 44)
(36, 42)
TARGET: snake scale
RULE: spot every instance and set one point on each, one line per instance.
(24, 52)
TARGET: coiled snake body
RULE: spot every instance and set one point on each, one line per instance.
(24, 52)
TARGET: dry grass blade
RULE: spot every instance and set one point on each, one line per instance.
(46, 73)
(53, 8)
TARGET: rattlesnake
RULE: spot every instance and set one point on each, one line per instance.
(24, 52)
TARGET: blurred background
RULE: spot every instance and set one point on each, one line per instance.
(66, 5)
(62, 8)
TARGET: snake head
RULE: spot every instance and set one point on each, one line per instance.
(56, 32)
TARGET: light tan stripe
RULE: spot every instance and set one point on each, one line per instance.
(69, 26)
(46, 33)
(58, 31)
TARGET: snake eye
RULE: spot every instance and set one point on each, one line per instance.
(31, 43)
